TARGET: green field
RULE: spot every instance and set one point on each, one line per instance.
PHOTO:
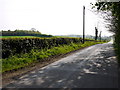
(32, 37)
(17, 36)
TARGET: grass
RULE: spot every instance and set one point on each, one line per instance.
(17, 61)
(17, 36)
(7, 37)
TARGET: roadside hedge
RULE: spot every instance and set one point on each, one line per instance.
(12, 46)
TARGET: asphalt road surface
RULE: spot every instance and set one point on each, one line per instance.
(92, 67)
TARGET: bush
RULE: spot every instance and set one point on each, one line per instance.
(12, 46)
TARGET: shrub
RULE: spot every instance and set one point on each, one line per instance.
(12, 46)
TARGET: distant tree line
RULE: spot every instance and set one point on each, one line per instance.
(107, 38)
(23, 33)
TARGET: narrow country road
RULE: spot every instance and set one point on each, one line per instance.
(92, 67)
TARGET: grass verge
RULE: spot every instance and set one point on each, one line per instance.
(35, 55)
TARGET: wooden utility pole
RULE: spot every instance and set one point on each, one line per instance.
(83, 24)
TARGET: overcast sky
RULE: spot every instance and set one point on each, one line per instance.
(56, 17)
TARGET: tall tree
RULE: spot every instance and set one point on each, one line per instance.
(96, 33)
